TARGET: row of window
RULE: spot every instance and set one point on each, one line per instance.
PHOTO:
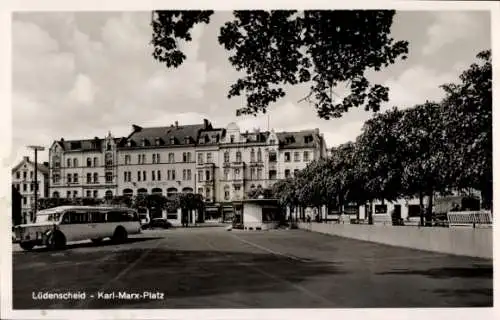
(202, 157)
(25, 175)
(227, 191)
(208, 192)
(296, 156)
(71, 217)
(91, 162)
(25, 200)
(88, 194)
(25, 186)
(272, 156)
(186, 157)
(156, 175)
(156, 158)
(74, 178)
(256, 174)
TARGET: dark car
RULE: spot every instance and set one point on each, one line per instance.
(160, 223)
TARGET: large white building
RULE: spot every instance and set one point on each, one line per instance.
(221, 164)
(23, 179)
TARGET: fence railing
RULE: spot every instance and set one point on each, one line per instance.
(470, 219)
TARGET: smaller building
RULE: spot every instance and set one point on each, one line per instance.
(258, 214)
(23, 180)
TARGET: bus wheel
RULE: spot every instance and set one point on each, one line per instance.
(56, 241)
(120, 235)
(96, 240)
(26, 246)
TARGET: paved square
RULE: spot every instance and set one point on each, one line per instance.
(214, 268)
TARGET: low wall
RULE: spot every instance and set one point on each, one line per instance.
(458, 241)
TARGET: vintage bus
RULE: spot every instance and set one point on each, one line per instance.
(56, 226)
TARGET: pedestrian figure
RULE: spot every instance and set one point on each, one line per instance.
(184, 220)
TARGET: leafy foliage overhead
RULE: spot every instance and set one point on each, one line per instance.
(428, 148)
(281, 48)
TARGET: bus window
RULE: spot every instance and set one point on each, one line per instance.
(79, 217)
(97, 217)
(66, 218)
(132, 216)
(115, 216)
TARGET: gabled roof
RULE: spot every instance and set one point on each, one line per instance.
(40, 167)
(299, 139)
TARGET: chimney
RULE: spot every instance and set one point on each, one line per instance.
(206, 123)
(177, 124)
(136, 128)
(62, 139)
(27, 159)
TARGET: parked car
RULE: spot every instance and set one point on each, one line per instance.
(160, 223)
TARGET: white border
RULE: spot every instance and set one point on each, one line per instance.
(134, 5)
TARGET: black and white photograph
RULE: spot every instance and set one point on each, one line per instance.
(254, 159)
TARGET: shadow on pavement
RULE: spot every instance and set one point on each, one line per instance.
(177, 273)
(89, 244)
(464, 292)
(440, 273)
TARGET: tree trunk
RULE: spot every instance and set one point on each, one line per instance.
(428, 218)
(422, 209)
(487, 196)
(370, 213)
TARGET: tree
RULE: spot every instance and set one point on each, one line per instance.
(377, 151)
(257, 193)
(468, 121)
(280, 48)
(314, 184)
(423, 153)
(189, 202)
(286, 193)
(124, 201)
(345, 183)
(47, 203)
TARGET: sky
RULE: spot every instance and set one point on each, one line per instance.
(79, 75)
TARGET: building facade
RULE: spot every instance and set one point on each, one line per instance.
(221, 164)
(23, 180)
(84, 168)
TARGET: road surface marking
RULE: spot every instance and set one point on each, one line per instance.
(269, 275)
(269, 250)
(84, 303)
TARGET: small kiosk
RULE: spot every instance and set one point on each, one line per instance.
(259, 214)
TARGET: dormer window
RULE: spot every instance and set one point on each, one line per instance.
(172, 140)
(129, 143)
(207, 139)
(157, 141)
(231, 138)
(272, 141)
(187, 140)
(143, 141)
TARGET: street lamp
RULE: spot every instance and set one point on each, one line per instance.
(36, 148)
